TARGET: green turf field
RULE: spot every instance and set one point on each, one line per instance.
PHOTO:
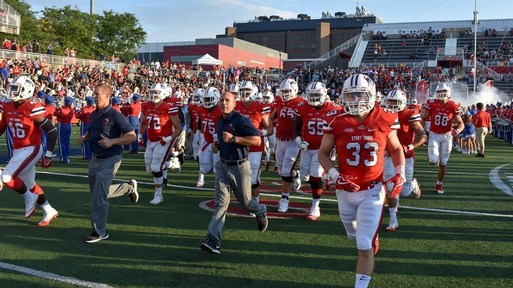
(158, 246)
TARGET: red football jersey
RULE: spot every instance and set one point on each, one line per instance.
(285, 115)
(255, 112)
(361, 146)
(208, 120)
(174, 100)
(25, 132)
(405, 133)
(312, 119)
(158, 119)
(193, 111)
(441, 114)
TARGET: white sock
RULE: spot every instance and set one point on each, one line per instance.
(201, 177)
(285, 194)
(158, 182)
(315, 202)
(256, 198)
(362, 281)
(46, 206)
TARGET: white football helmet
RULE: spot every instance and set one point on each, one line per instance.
(358, 94)
(379, 96)
(167, 90)
(197, 95)
(234, 89)
(316, 94)
(443, 91)
(268, 97)
(156, 93)
(21, 88)
(395, 101)
(288, 89)
(211, 97)
(248, 91)
(414, 101)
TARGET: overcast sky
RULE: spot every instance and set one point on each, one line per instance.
(186, 20)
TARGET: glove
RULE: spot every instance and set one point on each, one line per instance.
(165, 140)
(302, 145)
(140, 140)
(344, 182)
(196, 140)
(397, 181)
(46, 162)
(408, 148)
(455, 132)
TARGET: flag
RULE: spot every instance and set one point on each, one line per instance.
(422, 91)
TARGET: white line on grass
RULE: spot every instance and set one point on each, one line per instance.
(51, 276)
(300, 197)
(495, 178)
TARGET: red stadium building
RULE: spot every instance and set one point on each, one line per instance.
(231, 51)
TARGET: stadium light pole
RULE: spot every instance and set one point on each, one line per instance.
(91, 7)
(475, 45)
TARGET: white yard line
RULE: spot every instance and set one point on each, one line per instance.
(51, 276)
(495, 179)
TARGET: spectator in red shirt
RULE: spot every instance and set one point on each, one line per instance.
(483, 123)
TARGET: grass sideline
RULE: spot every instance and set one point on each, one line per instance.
(158, 246)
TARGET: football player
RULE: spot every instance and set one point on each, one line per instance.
(209, 114)
(193, 121)
(287, 151)
(361, 133)
(269, 140)
(161, 123)
(442, 113)
(308, 128)
(411, 134)
(258, 113)
(26, 120)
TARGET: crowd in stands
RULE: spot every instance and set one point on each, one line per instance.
(77, 81)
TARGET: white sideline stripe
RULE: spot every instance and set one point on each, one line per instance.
(309, 198)
(51, 276)
(497, 182)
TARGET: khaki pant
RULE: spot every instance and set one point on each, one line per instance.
(480, 138)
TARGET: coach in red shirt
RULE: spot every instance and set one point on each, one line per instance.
(483, 123)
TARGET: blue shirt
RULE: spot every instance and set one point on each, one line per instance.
(240, 126)
(111, 124)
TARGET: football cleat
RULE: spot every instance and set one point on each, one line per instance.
(283, 205)
(393, 226)
(30, 203)
(315, 213)
(48, 217)
(157, 199)
(439, 189)
(200, 184)
(1, 183)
